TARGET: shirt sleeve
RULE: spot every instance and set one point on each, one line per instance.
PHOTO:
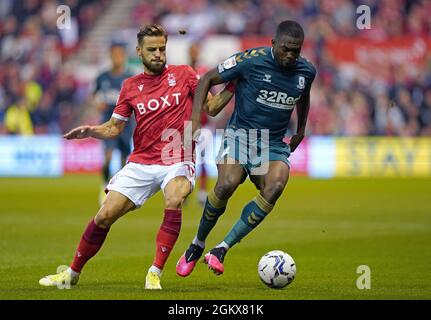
(192, 79)
(235, 67)
(123, 110)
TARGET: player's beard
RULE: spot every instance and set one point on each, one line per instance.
(155, 68)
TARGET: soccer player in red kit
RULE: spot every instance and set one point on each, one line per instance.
(161, 99)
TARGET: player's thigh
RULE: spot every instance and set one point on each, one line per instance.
(232, 171)
(230, 176)
(176, 190)
(231, 161)
(137, 182)
(115, 206)
(274, 181)
(278, 171)
(177, 183)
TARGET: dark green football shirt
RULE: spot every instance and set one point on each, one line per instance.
(266, 94)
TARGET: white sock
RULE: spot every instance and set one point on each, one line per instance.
(199, 243)
(223, 245)
(155, 270)
(72, 273)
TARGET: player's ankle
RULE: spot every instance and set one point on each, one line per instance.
(198, 242)
(223, 245)
(156, 270)
(72, 272)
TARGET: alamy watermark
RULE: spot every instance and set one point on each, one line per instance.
(363, 21)
(249, 147)
(364, 280)
(64, 18)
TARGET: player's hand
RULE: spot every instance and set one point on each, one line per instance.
(81, 132)
(295, 141)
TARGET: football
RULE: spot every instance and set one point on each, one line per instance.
(276, 269)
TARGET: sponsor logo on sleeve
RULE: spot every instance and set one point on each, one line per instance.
(229, 63)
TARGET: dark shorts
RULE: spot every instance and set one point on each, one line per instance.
(252, 151)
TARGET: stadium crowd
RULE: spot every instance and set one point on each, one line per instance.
(37, 95)
(392, 100)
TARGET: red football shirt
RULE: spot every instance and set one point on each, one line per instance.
(162, 104)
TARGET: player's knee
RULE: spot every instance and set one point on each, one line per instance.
(174, 201)
(105, 218)
(273, 191)
(224, 189)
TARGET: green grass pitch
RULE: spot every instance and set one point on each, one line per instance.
(330, 227)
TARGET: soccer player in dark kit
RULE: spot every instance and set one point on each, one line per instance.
(271, 81)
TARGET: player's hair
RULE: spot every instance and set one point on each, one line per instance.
(290, 28)
(151, 30)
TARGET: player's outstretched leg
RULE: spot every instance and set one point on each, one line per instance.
(214, 208)
(165, 241)
(92, 240)
(271, 186)
(230, 176)
(176, 190)
(252, 214)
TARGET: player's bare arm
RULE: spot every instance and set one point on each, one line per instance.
(108, 130)
(210, 79)
(214, 104)
(302, 108)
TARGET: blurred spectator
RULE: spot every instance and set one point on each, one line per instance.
(356, 118)
(17, 118)
(410, 112)
(44, 119)
(388, 117)
(425, 114)
(33, 85)
(322, 116)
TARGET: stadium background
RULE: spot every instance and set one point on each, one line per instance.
(370, 117)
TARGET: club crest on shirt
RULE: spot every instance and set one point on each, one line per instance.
(301, 82)
(171, 80)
